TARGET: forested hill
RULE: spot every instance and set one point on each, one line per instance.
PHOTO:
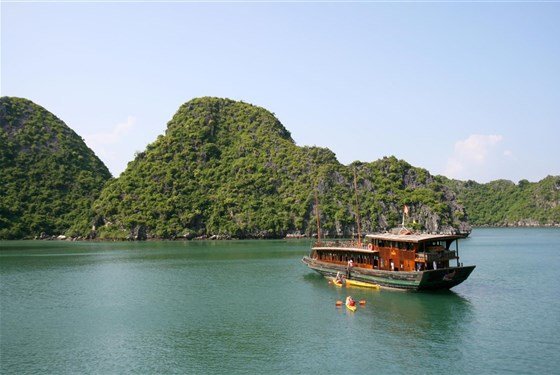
(231, 169)
(228, 169)
(48, 176)
(503, 203)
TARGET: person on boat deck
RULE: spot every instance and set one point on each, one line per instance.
(350, 265)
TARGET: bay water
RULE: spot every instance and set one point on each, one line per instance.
(252, 307)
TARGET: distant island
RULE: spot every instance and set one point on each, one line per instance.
(228, 169)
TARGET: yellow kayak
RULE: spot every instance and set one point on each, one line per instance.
(361, 284)
(350, 304)
(337, 280)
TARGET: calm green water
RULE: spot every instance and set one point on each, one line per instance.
(245, 307)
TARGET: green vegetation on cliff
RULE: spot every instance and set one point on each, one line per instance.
(231, 169)
(503, 203)
(49, 177)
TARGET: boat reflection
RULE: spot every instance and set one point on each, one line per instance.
(434, 316)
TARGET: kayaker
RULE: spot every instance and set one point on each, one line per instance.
(351, 301)
(338, 278)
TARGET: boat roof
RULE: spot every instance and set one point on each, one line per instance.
(413, 237)
(338, 248)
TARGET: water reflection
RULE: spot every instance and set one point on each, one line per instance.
(421, 320)
(436, 316)
(445, 309)
(405, 331)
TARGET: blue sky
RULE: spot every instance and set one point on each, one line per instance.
(468, 90)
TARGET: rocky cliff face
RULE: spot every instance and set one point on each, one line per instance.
(223, 169)
(432, 207)
(230, 169)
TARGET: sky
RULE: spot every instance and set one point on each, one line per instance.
(468, 90)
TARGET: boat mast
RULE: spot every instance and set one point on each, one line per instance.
(317, 216)
(357, 208)
(457, 250)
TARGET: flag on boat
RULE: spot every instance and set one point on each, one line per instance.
(405, 209)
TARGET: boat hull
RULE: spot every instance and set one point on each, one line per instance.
(440, 279)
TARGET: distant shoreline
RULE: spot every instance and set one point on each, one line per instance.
(228, 238)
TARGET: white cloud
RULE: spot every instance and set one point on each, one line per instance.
(476, 147)
(111, 146)
(476, 157)
(113, 136)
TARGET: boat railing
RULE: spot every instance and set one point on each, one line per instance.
(440, 255)
(348, 244)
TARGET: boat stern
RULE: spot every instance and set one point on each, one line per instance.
(445, 278)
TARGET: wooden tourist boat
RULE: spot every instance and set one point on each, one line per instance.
(405, 261)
